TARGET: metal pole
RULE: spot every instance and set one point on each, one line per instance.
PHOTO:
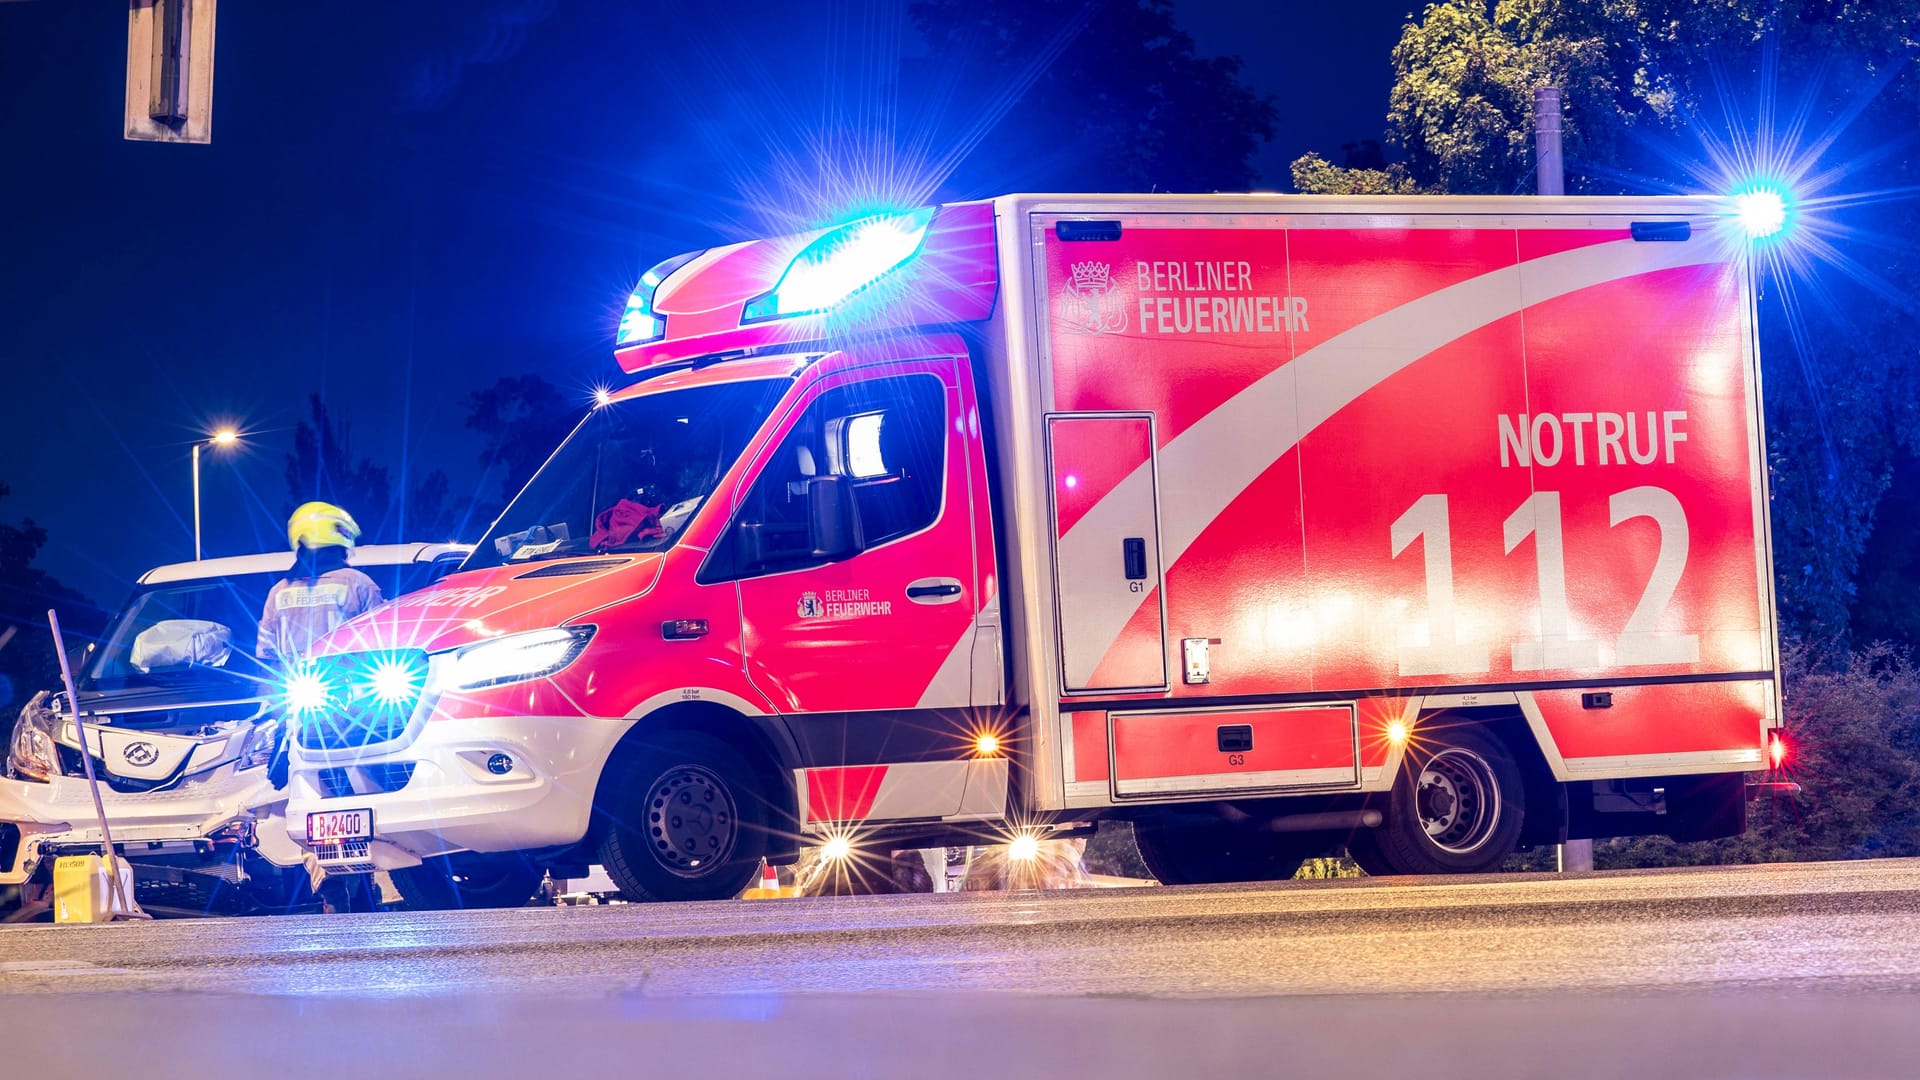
(125, 905)
(196, 502)
(1549, 169)
(1550, 179)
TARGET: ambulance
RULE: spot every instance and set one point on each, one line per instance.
(1421, 527)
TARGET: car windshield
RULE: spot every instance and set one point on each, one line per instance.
(632, 475)
(205, 630)
(184, 632)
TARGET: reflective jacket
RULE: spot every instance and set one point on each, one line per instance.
(300, 610)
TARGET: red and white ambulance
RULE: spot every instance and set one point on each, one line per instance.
(1427, 527)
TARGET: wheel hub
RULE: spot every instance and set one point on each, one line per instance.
(1458, 800)
(692, 824)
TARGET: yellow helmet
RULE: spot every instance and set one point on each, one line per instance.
(320, 524)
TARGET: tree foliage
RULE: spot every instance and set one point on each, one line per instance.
(27, 660)
(521, 419)
(322, 466)
(1855, 725)
(1091, 95)
(1315, 175)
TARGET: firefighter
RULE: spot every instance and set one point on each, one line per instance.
(321, 591)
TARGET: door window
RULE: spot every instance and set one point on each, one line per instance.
(885, 437)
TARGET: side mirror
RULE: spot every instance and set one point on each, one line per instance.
(833, 525)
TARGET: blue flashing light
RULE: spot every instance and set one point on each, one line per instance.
(393, 682)
(640, 324)
(1762, 209)
(842, 262)
(307, 692)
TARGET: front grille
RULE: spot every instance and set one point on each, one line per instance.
(71, 765)
(341, 732)
(381, 779)
(334, 783)
(361, 708)
(390, 777)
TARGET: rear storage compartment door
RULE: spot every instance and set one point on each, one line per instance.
(1161, 753)
(1101, 469)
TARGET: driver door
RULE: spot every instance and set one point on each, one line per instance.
(872, 628)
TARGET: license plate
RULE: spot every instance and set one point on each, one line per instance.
(333, 826)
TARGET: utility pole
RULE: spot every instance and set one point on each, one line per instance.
(1550, 179)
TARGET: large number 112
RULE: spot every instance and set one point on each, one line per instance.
(1639, 642)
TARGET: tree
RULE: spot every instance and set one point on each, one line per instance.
(27, 660)
(1315, 175)
(321, 466)
(521, 418)
(1091, 95)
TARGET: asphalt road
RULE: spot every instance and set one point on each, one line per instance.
(1791, 971)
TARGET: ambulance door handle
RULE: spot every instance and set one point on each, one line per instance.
(934, 590)
(1133, 550)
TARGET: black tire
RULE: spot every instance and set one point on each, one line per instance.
(1456, 808)
(684, 823)
(468, 881)
(1187, 852)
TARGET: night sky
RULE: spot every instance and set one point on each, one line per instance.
(406, 201)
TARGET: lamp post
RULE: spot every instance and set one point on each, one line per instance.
(223, 437)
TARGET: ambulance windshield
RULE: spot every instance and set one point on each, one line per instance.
(632, 475)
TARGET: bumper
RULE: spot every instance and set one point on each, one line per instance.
(60, 813)
(450, 800)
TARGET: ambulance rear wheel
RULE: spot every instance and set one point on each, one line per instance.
(683, 824)
(1455, 808)
(468, 881)
(1180, 852)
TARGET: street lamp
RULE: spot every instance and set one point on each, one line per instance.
(222, 437)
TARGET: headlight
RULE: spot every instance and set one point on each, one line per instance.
(514, 658)
(261, 744)
(30, 753)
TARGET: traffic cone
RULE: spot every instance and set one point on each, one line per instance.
(769, 887)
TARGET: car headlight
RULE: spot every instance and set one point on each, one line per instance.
(261, 743)
(514, 658)
(30, 752)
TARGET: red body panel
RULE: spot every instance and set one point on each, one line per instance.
(1414, 458)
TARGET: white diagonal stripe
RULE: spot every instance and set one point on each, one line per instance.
(1207, 466)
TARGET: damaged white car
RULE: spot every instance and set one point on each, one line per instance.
(184, 730)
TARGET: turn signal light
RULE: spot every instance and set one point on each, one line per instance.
(987, 745)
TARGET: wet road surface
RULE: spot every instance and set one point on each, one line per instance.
(1784, 971)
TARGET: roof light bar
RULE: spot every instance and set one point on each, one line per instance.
(842, 262)
(639, 324)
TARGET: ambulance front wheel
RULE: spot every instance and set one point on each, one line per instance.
(683, 823)
(1455, 808)
(1185, 852)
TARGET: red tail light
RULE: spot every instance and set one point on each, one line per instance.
(1776, 750)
